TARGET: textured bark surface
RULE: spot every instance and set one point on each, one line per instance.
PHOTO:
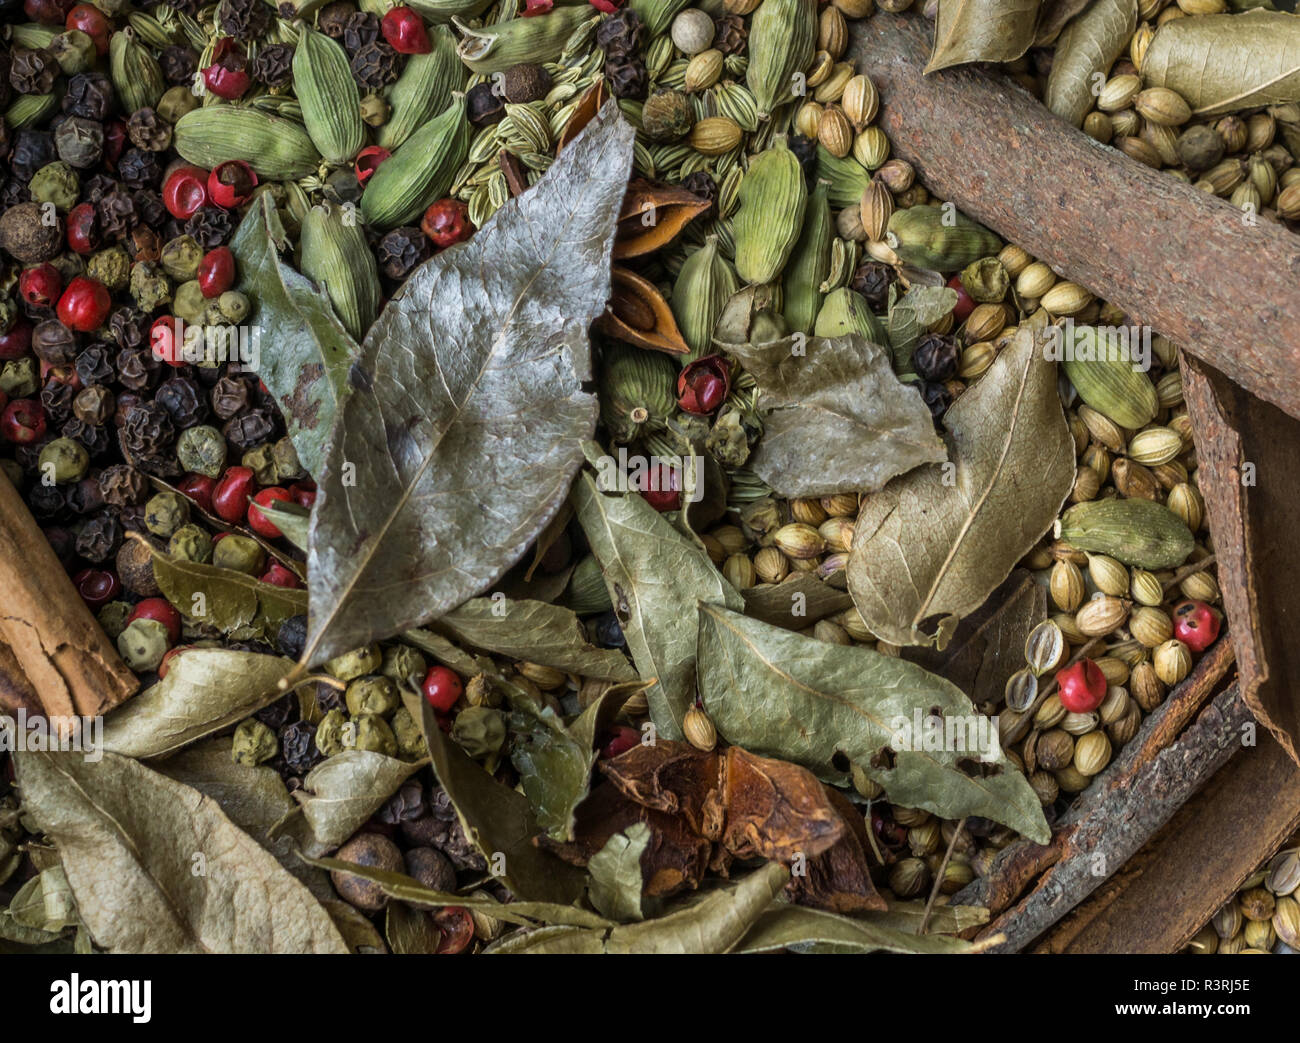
(1246, 452)
(56, 644)
(1170, 255)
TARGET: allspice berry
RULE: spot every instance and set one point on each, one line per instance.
(667, 116)
(431, 868)
(526, 82)
(27, 237)
(135, 568)
(373, 851)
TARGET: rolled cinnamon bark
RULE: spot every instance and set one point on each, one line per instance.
(58, 647)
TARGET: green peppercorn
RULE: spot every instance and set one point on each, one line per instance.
(63, 460)
(56, 183)
(404, 664)
(165, 513)
(180, 258)
(8, 313)
(189, 303)
(410, 740)
(351, 665)
(143, 644)
(479, 730)
(372, 695)
(330, 733)
(240, 553)
(373, 733)
(74, 50)
(254, 743)
(112, 267)
(18, 378)
(112, 617)
(190, 543)
(175, 103)
(234, 306)
(150, 287)
(728, 442)
(288, 468)
(202, 449)
(261, 461)
(667, 116)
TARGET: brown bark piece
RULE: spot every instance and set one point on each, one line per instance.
(56, 643)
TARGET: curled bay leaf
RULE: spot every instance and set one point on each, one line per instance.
(292, 520)
(463, 431)
(1088, 45)
(205, 690)
(639, 315)
(982, 31)
(835, 417)
(653, 574)
(935, 543)
(855, 706)
(343, 791)
(909, 315)
(224, 598)
(130, 838)
(653, 215)
(304, 351)
(1227, 62)
(1054, 17)
(715, 923)
(801, 929)
(535, 631)
(797, 602)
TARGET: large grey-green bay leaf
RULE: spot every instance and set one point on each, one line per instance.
(1087, 46)
(464, 428)
(982, 31)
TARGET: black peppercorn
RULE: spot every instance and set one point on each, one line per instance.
(729, 34)
(621, 34)
(181, 397)
(148, 431)
(873, 280)
(230, 396)
(333, 18)
(149, 131)
(96, 187)
(57, 400)
(376, 65)
(33, 72)
(99, 538)
(211, 226)
(805, 151)
(93, 405)
(361, 28)
(80, 142)
(14, 193)
(46, 502)
(401, 250)
(85, 497)
(179, 64)
(273, 65)
(123, 486)
(281, 712)
(149, 206)
(128, 326)
(249, 429)
(298, 747)
(243, 19)
(627, 77)
(126, 401)
(117, 215)
(139, 169)
(95, 365)
(936, 397)
(406, 804)
(608, 631)
(291, 637)
(701, 183)
(484, 106)
(63, 543)
(96, 440)
(137, 369)
(54, 343)
(89, 95)
(935, 358)
(431, 868)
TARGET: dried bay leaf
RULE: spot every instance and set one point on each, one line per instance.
(943, 919)
(343, 791)
(305, 359)
(205, 690)
(293, 521)
(464, 431)
(1087, 46)
(1054, 17)
(797, 602)
(616, 884)
(128, 838)
(224, 598)
(654, 574)
(850, 704)
(715, 923)
(909, 315)
(1227, 62)
(536, 632)
(499, 822)
(938, 541)
(812, 930)
(982, 31)
(835, 418)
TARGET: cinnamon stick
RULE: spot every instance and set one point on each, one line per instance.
(51, 638)
(1175, 257)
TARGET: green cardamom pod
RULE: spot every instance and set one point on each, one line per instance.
(423, 90)
(703, 287)
(278, 149)
(1136, 532)
(586, 593)
(446, 10)
(137, 77)
(846, 311)
(420, 172)
(773, 198)
(848, 178)
(638, 390)
(494, 48)
(331, 104)
(1108, 378)
(782, 41)
(334, 254)
(657, 15)
(940, 238)
(810, 264)
(31, 110)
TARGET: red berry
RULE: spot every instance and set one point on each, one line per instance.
(91, 21)
(704, 385)
(185, 192)
(47, 12)
(231, 184)
(1082, 686)
(304, 494)
(277, 575)
(1196, 625)
(227, 77)
(649, 483)
(161, 611)
(257, 521)
(447, 222)
(538, 7)
(457, 927)
(232, 493)
(165, 665)
(964, 303)
(368, 160)
(442, 688)
(83, 228)
(85, 304)
(608, 6)
(23, 421)
(216, 272)
(198, 487)
(4, 399)
(16, 341)
(40, 285)
(114, 142)
(622, 739)
(97, 587)
(167, 340)
(404, 31)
